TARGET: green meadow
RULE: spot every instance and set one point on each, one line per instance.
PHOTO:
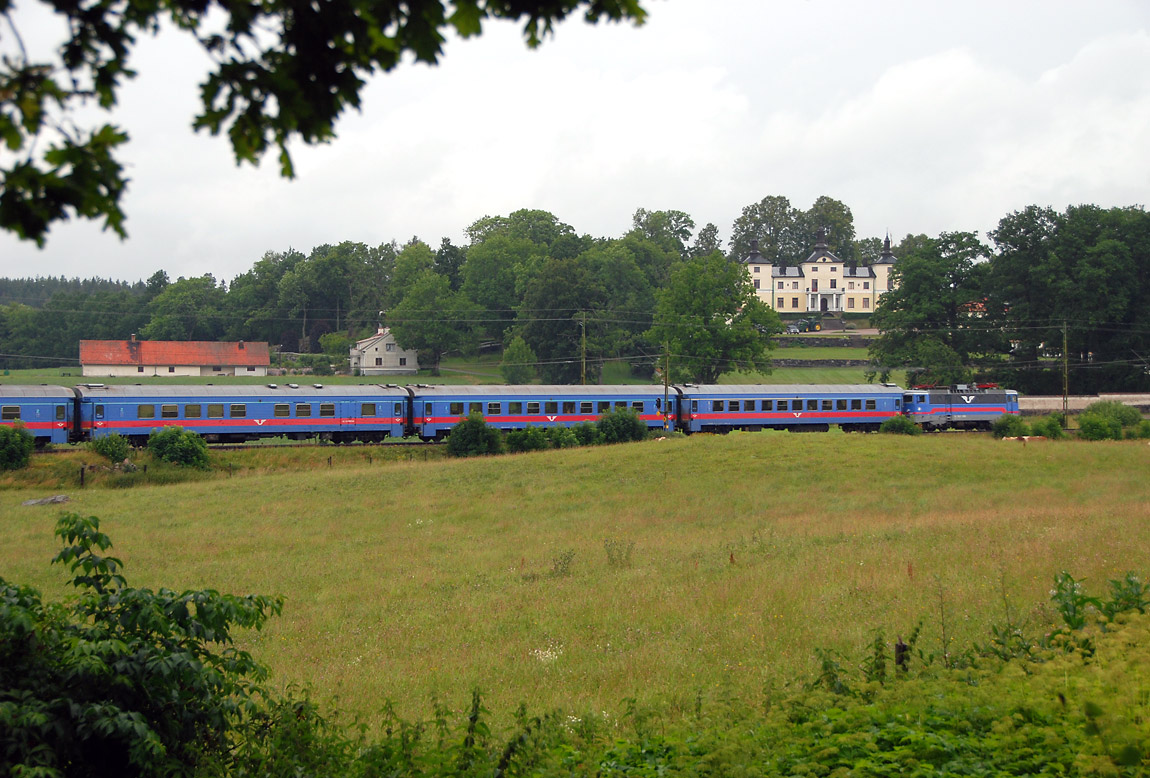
(661, 572)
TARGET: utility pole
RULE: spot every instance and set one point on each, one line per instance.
(583, 362)
(1065, 375)
(666, 387)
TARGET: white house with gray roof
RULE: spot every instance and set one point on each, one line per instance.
(381, 355)
(821, 283)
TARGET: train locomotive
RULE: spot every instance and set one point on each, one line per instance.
(374, 412)
(962, 406)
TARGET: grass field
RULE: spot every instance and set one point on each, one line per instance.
(407, 580)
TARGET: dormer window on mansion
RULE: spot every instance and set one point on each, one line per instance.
(857, 295)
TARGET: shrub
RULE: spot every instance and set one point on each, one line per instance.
(120, 680)
(587, 433)
(1144, 429)
(562, 437)
(527, 439)
(1125, 415)
(473, 437)
(900, 425)
(114, 447)
(1095, 427)
(179, 446)
(1050, 427)
(1009, 426)
(16, 445)
(621, 425)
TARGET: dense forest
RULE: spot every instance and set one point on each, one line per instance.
(963, 309)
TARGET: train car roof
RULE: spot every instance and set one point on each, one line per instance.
(281, 391)
(789, 389)
(566, 390)
(40, 390)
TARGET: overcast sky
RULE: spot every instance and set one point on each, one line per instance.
(920, 116)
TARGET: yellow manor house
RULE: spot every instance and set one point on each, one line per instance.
(821, 283)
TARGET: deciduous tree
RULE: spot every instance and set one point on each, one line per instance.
(433, 319)
(712, 321)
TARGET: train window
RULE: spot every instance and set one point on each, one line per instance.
(302, 410)
(515, 407)
(281, 410)
(192, 411)
(493, 409)
(398, 409)
(569, 406)
(216, 411)
(840, 405)
(694, 406)
(327, 410)
(533, 409)
(99, 411)
(238, 410)
(551, 407)
(718, 405)
(475, 408)
(61, 413)
(812, 405)
(922, 398)
(767, 405)
(827, 405)
(586, 407)
(856, 405)
(870, 405)
(733, 405)
(637, 406)
(456, 409)
(170, 411)
(10, 412)
(604, 407)
(367, 409)
(145, 411)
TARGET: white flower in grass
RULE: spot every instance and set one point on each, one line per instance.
(549, 654)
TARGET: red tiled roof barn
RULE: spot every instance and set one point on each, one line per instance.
(165, 357)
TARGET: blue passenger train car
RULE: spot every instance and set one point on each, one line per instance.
(438, 408)
(813, 407)
(237, 413)
(47, 412)
(960, 406)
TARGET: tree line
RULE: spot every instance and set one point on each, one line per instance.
(1059, 297)
(526, 281)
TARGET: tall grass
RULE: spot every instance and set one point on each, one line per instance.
(407, 580)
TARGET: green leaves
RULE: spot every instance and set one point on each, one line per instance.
(711, 320)
(284, 71)
(122, 680)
